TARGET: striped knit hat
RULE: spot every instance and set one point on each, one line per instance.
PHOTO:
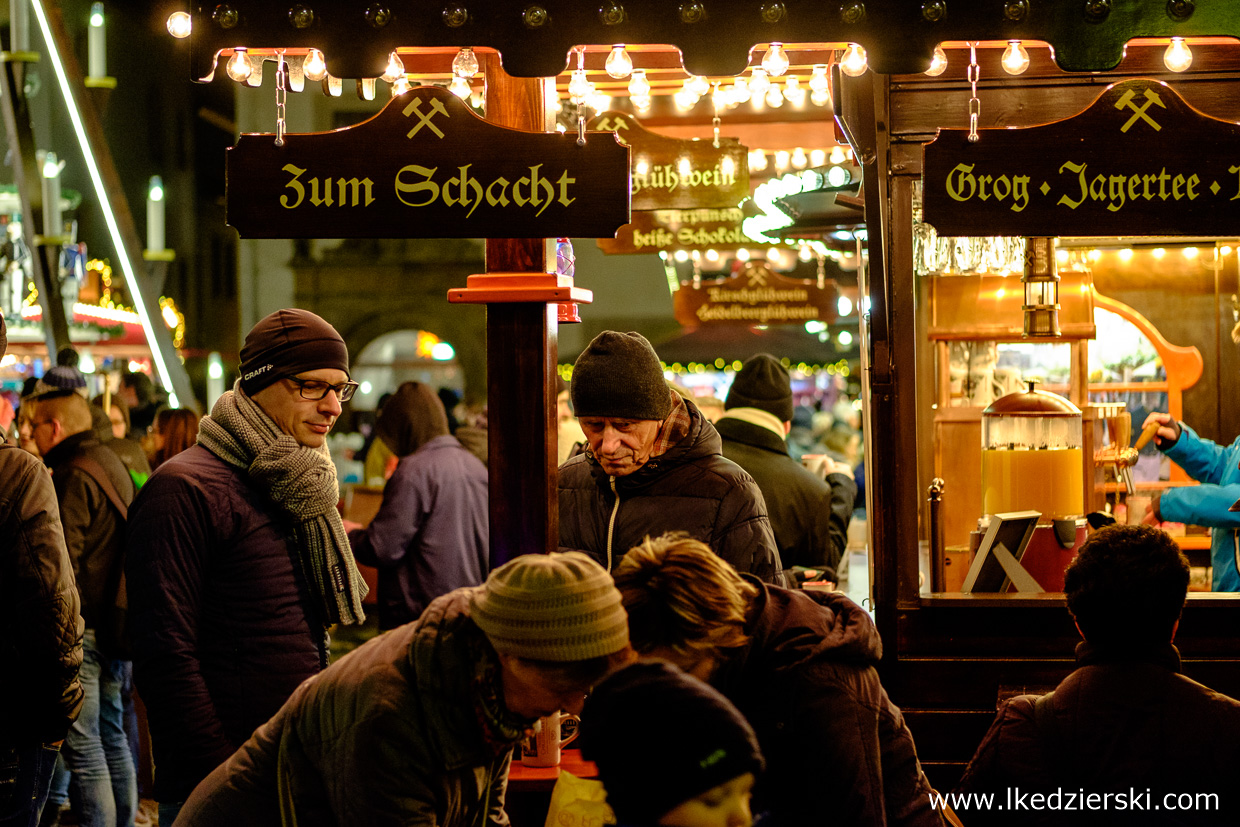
(555, 607)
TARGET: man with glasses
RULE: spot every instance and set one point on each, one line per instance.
(238, 561)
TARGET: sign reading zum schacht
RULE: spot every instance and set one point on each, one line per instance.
(670, 173)
(427, 167)
(1138, 161)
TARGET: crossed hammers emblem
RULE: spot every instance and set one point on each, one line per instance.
(1139, 112)
(424, 118)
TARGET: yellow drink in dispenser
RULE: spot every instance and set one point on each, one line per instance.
(1045, 480)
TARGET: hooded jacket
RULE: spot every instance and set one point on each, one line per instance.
(809, 516)
(431, 534)
(690, 488)
(1121, 724)
(40, 627)
(386, 736)
(837, 749)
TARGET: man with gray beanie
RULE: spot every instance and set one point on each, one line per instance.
(417, 726)
(237, 559)
(652, 465)
(809, 512)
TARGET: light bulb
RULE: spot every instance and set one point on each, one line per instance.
(817, 157)
(818, 82)
(774, 97)
(180, 24)
(459, 86)
(798, 158)
(1015, 59)
(314, 67)
(775, 61)
(51, 166)
(698, 85)
(465, 64)
(854, 62)
(639, 84)
(685, 99)
(1178, 56)
(759, 83)
(820, 98)
(96, 15)
(938, 64)
(239, 65)
(794, 92)
(619, 64)
(579, 86)
(837, 154)
(395, 68)
(401, 86)
(641, 101)
(740, 90)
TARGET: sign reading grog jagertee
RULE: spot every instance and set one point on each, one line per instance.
(427, 167)
(754, 295)
(672, 173)
(1138, 161)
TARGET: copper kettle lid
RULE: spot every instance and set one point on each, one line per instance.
(1032, 402)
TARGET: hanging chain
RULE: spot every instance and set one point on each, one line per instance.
(822, 271)
(281, 94)
(715, 122)
(581, 102)
(975, 103)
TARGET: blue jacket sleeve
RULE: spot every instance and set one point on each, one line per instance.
(1215, 467)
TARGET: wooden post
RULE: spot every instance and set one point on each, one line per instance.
(521, 358)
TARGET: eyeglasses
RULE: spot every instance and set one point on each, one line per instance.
(316, 390)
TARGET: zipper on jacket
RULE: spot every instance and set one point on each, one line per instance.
(611, 524)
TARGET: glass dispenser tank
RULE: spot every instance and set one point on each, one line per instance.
(1031, 456)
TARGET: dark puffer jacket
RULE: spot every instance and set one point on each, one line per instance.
(222, 625)
(837, 749)
(1120, 724)
(810, 516)
(389, 735)
(40, 627)
(689, 488)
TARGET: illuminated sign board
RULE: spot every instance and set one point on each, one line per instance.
(1138, 161)
(427, 167)
(756, 295)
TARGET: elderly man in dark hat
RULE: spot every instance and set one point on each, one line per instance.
(809, 511)
(653, 465)
(237, 558)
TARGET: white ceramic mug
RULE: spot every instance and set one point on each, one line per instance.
(542, 749)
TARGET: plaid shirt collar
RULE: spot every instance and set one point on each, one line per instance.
(675, 427)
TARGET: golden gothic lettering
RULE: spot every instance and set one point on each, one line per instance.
(667, 177)
(348, 191)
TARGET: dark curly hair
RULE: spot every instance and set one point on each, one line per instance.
(1127, 586)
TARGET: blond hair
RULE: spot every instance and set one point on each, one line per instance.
(70, 410)
(681, 595)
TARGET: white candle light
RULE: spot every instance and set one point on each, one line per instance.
(96, 44)
(155, 214)
(53, 223)
(19, 25)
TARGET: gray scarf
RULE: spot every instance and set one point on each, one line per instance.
(302, 482)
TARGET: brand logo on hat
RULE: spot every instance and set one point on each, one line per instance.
(254, 373)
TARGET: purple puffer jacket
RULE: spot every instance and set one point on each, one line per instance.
(222, 625)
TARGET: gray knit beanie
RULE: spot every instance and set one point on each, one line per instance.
(618, 376)
(557, 607)
(762, 383)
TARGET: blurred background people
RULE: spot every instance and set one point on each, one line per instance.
(174, 430)
(431, 533)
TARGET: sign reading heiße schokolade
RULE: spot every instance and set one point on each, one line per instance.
(1138, 161)
(706, 228)
(427, 167)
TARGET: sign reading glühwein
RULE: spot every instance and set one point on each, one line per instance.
(427, 167)
(755, 295)
(670, 173)
(1138, 161)
(654, 231)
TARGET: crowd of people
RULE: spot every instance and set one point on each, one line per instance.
(211, 577)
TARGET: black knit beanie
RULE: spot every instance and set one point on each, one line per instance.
(763, 383)
(649, 769)
(286, 343)
(618, 376)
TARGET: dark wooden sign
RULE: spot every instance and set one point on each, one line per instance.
(670, 173)
(427, 167)
(754, 295)
(655, 231)
(1138, 161)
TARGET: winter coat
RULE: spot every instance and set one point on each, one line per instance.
(222, 624)
(94, 529)
(1215, 467)
(1120, 723)
(837, 749)
(386, 736)
(40, 627)
(689, 488)
(809, 516)
(431, 533)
